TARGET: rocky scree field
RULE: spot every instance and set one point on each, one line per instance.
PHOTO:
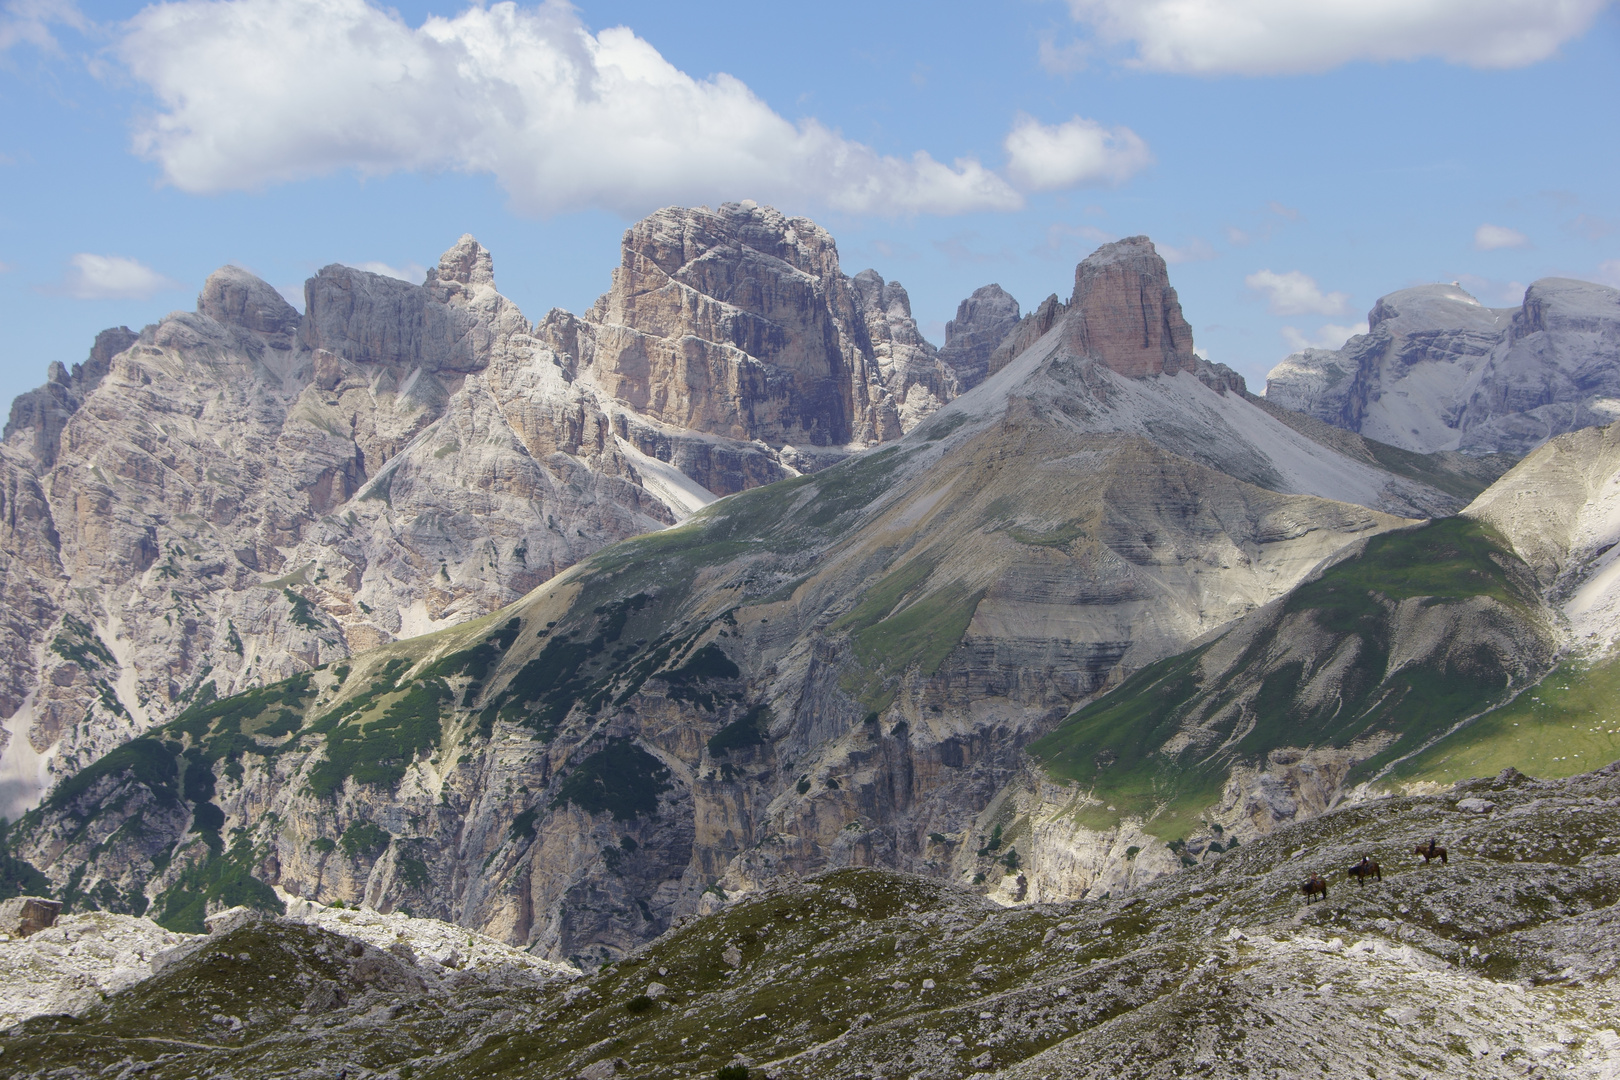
(1499, 962)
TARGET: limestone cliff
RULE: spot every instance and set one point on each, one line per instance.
(1437, 370)
(739, 323)
(244, 492)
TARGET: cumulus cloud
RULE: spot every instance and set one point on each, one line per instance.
(112, 277)
(258, 92)
(1327, 336)
(1608, 272)
(1272, 37)
(29, 22)
(414, 273)
(1045, 157)
(1296, 293)
(1492, 237)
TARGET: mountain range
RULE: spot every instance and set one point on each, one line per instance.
(1047, 613)
(240, 493)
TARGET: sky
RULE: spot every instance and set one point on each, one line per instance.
(1293, 162)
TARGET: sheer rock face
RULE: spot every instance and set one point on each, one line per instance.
(982, 322)
(739, 323)
(242, 492)
(1125, 313)
(1437, 370)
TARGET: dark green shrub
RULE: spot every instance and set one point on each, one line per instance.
(363, 839)
(732, 1072)
(639, 1004)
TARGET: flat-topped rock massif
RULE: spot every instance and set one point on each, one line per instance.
(1437, 370)
(840, 668)
(243, 492)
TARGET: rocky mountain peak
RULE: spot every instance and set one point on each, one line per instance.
(982, 322)
(233, 296)
(466, 263)
(1125, 313)
(1438, 370)
(1429, 306)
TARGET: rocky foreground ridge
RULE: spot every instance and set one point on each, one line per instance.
(1499, 962)
(1437, 370)
(242, 493)
(840, 668)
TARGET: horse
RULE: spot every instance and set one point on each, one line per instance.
(1365, 869)
(1430, 851)
(1316, 883)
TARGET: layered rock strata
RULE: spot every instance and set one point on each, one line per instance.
(1437, 370)
(244, 492)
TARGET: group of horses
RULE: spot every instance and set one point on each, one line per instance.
(1316, 885)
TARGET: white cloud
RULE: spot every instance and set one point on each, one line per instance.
(30, 21)
(1271, 37)
(1608, 272)
(1327, 336)
(112, 277)
(1195, 250)
(259, 92)
(1042, 157)
(1296, 293)
(411, 272)
(1491, 237)
(1236, 236)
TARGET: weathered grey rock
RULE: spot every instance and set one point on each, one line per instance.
(24, 915)
(235, 297)
(1437, 370)
(982, 322)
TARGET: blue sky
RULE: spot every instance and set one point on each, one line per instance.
(1295, 166)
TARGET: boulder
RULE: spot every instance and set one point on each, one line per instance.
(24, 915)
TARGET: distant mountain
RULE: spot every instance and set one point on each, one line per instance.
(1437, 370)
(241, 493)
(839, 668)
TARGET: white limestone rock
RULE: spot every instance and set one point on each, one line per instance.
(1437, 370)
(77, 963)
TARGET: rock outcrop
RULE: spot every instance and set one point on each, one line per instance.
(1437, 370)
(982, 323)
(739, 323)
(244, 492)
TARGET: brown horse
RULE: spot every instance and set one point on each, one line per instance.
(1316, 883)
(1431, 850)
(1365, 869)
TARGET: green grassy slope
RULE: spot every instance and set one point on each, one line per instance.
(1341, 627)
(1568, 723)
